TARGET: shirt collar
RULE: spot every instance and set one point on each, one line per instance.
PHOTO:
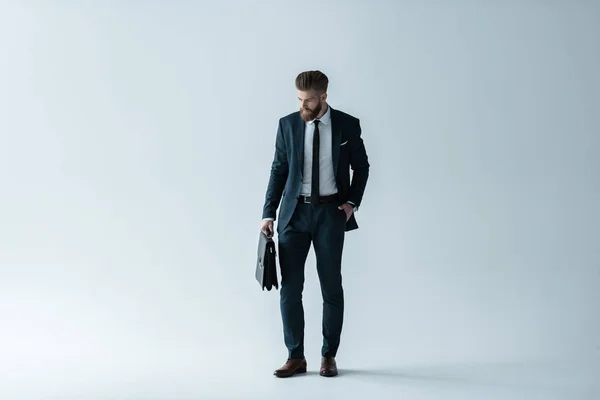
(325, 118)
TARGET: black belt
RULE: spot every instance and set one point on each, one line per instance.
(322, 199)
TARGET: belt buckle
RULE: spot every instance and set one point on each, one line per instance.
(306, 199)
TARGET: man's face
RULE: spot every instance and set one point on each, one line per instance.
(311, 104)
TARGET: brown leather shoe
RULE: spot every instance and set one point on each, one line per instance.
(291, 367)
(328, 367)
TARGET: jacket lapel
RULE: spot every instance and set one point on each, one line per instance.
(336, 139)
(299, 128)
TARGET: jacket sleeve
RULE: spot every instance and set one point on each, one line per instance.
(278, 176)
(359, 162)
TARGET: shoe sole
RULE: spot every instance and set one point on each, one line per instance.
(298, 371)
(326, 375)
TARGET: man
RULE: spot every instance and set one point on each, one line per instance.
(310, 178)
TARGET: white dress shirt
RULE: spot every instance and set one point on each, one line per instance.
(327, 185)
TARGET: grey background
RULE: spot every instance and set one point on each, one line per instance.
(135, 145)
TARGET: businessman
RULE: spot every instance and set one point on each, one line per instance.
(315, 148)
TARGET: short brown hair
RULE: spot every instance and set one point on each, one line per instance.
(312, 80)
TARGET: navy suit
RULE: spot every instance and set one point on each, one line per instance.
(323, 225)
(286, 171)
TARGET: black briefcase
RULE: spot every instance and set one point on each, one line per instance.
(266, 262)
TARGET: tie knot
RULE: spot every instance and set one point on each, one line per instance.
(317, 122)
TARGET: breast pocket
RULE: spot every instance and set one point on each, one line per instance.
(344, 148)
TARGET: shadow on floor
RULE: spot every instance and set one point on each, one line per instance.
(535, 377)
(394, 374)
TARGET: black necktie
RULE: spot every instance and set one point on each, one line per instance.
(314, 190)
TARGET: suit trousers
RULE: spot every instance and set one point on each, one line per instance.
(323, 225)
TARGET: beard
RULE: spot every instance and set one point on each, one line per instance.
(310, 114)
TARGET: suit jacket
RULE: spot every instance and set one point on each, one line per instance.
(285, 181)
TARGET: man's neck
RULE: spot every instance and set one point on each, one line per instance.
(323, 112)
